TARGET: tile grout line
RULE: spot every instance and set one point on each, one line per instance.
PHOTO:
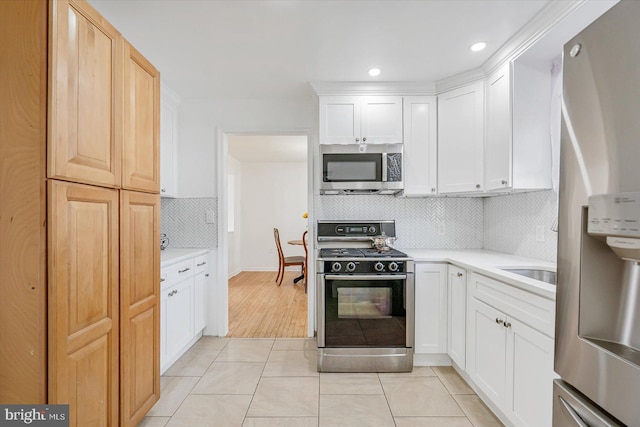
(255, 390)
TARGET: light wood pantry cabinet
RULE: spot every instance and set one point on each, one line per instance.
(457, 303)
(79, 314)
(139, 304)
(141, 146)
(360, 119)
(420, 146)
(460, 139)
(510, 349)
(84, 336)
(85, 95)
(431, 308)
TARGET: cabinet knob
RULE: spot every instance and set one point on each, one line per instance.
(499, 321)
(206, 275)
(357, 139)
(163, 190)
(433, 190)
(507, 324)
(364, 139)
(477, 185)
(162, 279)
(459, 274)
(505, 182)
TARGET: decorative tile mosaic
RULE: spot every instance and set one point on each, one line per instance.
(446, 223)
(184, 222)
(510, 224)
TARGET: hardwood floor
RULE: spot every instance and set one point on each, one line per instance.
(259, 308)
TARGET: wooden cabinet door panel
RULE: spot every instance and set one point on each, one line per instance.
(139, 304)
(85, 99)
(141, 146)
(83, 302)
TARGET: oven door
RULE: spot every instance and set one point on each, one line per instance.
(366, 311)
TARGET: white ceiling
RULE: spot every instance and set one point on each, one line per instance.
(268, 148)
(273, 49)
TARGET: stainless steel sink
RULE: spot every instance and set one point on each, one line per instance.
(537, 274)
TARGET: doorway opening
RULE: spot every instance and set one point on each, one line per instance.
(266, 189)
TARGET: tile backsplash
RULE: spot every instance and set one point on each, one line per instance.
(184, 222)
(520, 224)
(451, 223)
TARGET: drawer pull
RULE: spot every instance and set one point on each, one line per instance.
(172, 293)
(507, 324)
(184, 270)
(499, 321)
(201, 264)
(459, 274)
(162, 279)
(206, 275)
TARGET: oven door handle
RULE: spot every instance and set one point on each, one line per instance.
(372, 277)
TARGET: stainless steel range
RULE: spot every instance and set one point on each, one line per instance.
(365, 299)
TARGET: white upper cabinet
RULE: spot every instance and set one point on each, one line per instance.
(360, 119)
(460, 139)
(420, 146)
(497, 146)
(168, 142)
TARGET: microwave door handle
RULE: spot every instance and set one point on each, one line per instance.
(384, 167)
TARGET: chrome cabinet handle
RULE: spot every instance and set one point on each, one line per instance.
(507, 324)
(172, 293)
(163, 190)
(499, 321)
(504, 182)
(459, 275)
(364, 139)
(206, 275)
(162, 279)
(184, 270)
(201, 264)
(477, 185)
(433, 190)
(572, 413)
(357, 139)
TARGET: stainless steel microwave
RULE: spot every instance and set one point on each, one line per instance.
(361, 169)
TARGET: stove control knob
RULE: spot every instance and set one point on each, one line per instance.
(393, 266)
(372, 229)
(351, 267)
(379, 266)
(336, 267)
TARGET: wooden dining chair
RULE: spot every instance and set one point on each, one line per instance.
(286, 261)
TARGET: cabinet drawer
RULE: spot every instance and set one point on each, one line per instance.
(533, 310)
(201, 264)
(179, 271)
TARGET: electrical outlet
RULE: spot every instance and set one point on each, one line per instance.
(539, 233)
(441, 229)
(210, 216)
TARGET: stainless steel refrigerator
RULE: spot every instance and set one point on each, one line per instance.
(597, 350)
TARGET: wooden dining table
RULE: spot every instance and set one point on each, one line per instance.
(299, 242)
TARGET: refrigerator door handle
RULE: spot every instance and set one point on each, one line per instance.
(572, 413)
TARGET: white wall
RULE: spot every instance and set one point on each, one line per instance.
(273, 195)
(234, 238)
(199, 120)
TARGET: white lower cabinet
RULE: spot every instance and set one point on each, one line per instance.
(184, 285)
(510, 361)
(431, 308)
(457, 300)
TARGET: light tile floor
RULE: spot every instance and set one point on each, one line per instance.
(274, 383)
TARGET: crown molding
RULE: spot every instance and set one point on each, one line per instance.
(459, 80)
(170, 95)
(374, 88)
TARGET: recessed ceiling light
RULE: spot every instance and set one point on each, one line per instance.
(373, 72)
(477, 47)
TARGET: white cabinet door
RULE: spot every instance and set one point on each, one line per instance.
(430, 308)
(489, 351)
(340, 119)
(497, 146)
(420, 146)
(460, 139)
(199, 300)
(529, 375)
(164, 355)
(456, 342)
(179, 316)
(381, 119)
(168, 143)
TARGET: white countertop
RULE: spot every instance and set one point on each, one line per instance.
(488, 263)
(171, 255)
